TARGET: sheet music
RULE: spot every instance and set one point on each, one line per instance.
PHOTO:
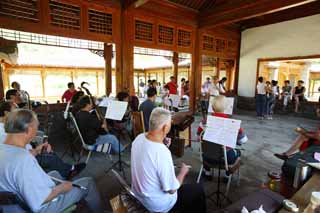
(228, 108)
(222, 131)
(105, 101)
(175, 100)
(116, 110)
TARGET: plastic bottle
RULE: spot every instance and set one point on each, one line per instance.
(314, 203)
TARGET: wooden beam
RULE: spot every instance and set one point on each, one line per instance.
(305, 10)
(245, 9)
(108, 67)
(139, 3)
(195, 73)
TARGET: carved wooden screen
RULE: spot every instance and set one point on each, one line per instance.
(26, 10)
(232, 46)
(208, 43)
(143, 31)
(165, 35)
(184, 38)
(100, 22)
(65, 15)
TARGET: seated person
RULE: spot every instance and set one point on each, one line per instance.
(21, 174)
(147, 106)
(153, 177)
(233, 155)
(298, 94)
(94, 132)
(304, 140)
(44, 154)
(13, 96)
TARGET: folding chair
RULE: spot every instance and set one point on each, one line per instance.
(129, 199)
(137, 123)
(90, 148)
(218, 155)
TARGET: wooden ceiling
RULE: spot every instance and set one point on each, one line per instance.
(236, 14)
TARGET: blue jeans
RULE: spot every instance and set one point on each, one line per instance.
(261, 105)
(111, 139)
(270, 104)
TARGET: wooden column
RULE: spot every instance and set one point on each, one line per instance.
(175, 61)
(1, 81)
(108, 67)
(124, 52)
(195, 73)
(218, 68)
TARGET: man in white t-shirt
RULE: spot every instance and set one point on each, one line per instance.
(214, 88)
(153, 177)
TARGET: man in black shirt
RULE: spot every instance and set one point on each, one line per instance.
(94, 132)
(148, 105)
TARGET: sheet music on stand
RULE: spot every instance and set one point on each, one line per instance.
(229, 101)
(223, 131)
(175, 100)
(116, 110)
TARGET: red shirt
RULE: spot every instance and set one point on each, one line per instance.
(67, 95)
(172, 88)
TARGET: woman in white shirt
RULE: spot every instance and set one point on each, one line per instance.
(261, 98)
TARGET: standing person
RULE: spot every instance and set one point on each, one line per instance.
(147, 106)
(173, 88)
(272, 93)
(154, 181)
(298, 94)
(214, 89)
(261, 98)
(286, 94)
(222, 87)
(187, 89)
(141, 86)
(23, 176)
(206, 85)
(183, 83)
(165, 96)
(23, 94)
(69, 93)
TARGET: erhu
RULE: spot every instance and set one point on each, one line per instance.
(98, 112)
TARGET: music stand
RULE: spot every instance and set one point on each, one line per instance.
(118, 165)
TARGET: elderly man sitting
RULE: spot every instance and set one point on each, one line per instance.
(21, 174)
(153, 177)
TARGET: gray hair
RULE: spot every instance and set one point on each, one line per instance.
(19, 120)
(159, 116)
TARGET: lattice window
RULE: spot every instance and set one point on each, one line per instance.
(64, 15)
(165, 35)
(25, 10)
(100, 22)
(208, 43)
(143, 31)
(220, 45)
(184, 38)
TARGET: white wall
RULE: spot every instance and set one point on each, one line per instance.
(299, 37)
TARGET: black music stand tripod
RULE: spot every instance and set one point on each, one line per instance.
(218, 192)
(119, 164)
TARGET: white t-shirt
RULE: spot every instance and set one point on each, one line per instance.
(261, 88)
(214, 89)
(21, 174)
(153, 175)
